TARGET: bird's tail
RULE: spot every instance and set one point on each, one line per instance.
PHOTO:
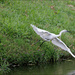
(71, 53)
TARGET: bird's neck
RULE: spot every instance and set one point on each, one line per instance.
(60, 33)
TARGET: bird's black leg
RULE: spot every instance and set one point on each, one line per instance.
(36, 42)
(42, 43)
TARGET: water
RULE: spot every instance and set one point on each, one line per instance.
(60, 68)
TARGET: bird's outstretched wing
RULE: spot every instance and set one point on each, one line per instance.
(60, 44)
(40, 31)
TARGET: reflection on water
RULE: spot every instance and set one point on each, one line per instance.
(59, 68)
(71, 73)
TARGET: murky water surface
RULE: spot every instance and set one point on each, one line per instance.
(60, 68)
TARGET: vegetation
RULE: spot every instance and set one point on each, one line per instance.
(17, 36)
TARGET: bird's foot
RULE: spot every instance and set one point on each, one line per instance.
(32, 45)
(38, 47)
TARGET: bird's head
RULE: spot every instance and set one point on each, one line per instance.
(64, 31)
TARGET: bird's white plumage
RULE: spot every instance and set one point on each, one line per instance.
(43, 33)
(47, 36)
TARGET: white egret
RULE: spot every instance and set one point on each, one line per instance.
(47, 36)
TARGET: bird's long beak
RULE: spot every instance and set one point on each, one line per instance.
(69, 31)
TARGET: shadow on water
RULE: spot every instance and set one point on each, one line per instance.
(60, 68)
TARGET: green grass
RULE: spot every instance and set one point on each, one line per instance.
(17, 36)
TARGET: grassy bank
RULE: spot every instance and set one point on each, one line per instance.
(17, 36)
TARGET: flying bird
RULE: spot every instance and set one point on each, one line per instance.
(47, 36)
